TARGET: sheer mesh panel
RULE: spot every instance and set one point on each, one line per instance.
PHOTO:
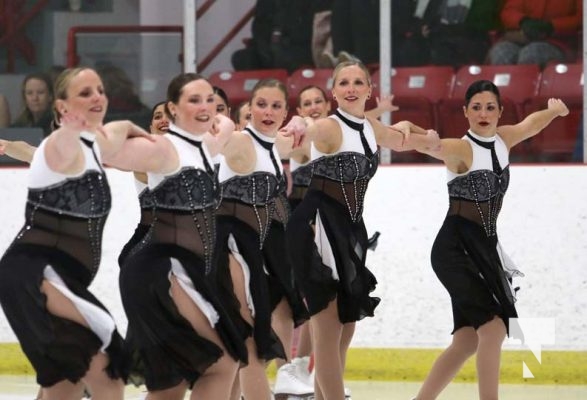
(350, 195)
(257, 217)
(470, 210)
(80, 238)
(193, 231)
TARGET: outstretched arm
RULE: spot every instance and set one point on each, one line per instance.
(128, 147)
(325, 133)
(533, 123)
(405, 135)
(19, 150)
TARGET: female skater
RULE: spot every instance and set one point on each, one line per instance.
(66, 333)
(253, 276)
(466, 255)
(179, 334)
(330, 262)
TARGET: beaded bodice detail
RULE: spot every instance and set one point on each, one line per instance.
(257, 192)
(184, 206)
(189, 189)
(302, 175)
(351, 172)
(257, 188)
(85, 197)
(485, 190)
(70, 215)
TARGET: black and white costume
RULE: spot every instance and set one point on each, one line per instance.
(147, 204)
(61, 243)
(466, 255)
(246, 219)
(330, 262)
(180, 242)
(301, 175)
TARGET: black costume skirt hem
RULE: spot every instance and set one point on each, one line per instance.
(58, 348)
(349, 243)
(162, 345)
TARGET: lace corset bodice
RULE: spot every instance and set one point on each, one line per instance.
(70, 216)
(302, 175)
(346, 167)
(189, 189)
(345, 178)
(258, 188)
(478, 194)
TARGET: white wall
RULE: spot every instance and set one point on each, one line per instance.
(543, 227)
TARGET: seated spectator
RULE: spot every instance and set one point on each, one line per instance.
(355, 30)
(443, 32)
(281, 35)
(538, 32)
(37, 96)
(4, 112)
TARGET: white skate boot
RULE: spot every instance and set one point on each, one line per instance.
(289, 385)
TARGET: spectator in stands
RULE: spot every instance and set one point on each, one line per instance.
(221, 99)
(4, 112)
(124, 102)
(282, 35)
(538, 32)
(37, 96)
(355, 30)
(442, 32)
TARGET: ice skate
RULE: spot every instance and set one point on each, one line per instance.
(291, 382)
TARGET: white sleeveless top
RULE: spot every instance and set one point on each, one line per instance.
(187, 154)
(40, 175)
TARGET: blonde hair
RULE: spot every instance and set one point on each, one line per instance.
(350, 63)
(60, 89)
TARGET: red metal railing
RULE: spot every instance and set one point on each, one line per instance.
(226, 39)
(73, 59)
(12, 25)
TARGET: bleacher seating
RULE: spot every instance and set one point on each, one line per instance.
(434, 96)
(557, 140)
(239, 84)
(300, 78)
(517, 85)
(417, 91)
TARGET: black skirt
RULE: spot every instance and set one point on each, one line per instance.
(58, 348)
(281, 275)
(349, 243)
(164, 347)
(467, 263)
(247, 239)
